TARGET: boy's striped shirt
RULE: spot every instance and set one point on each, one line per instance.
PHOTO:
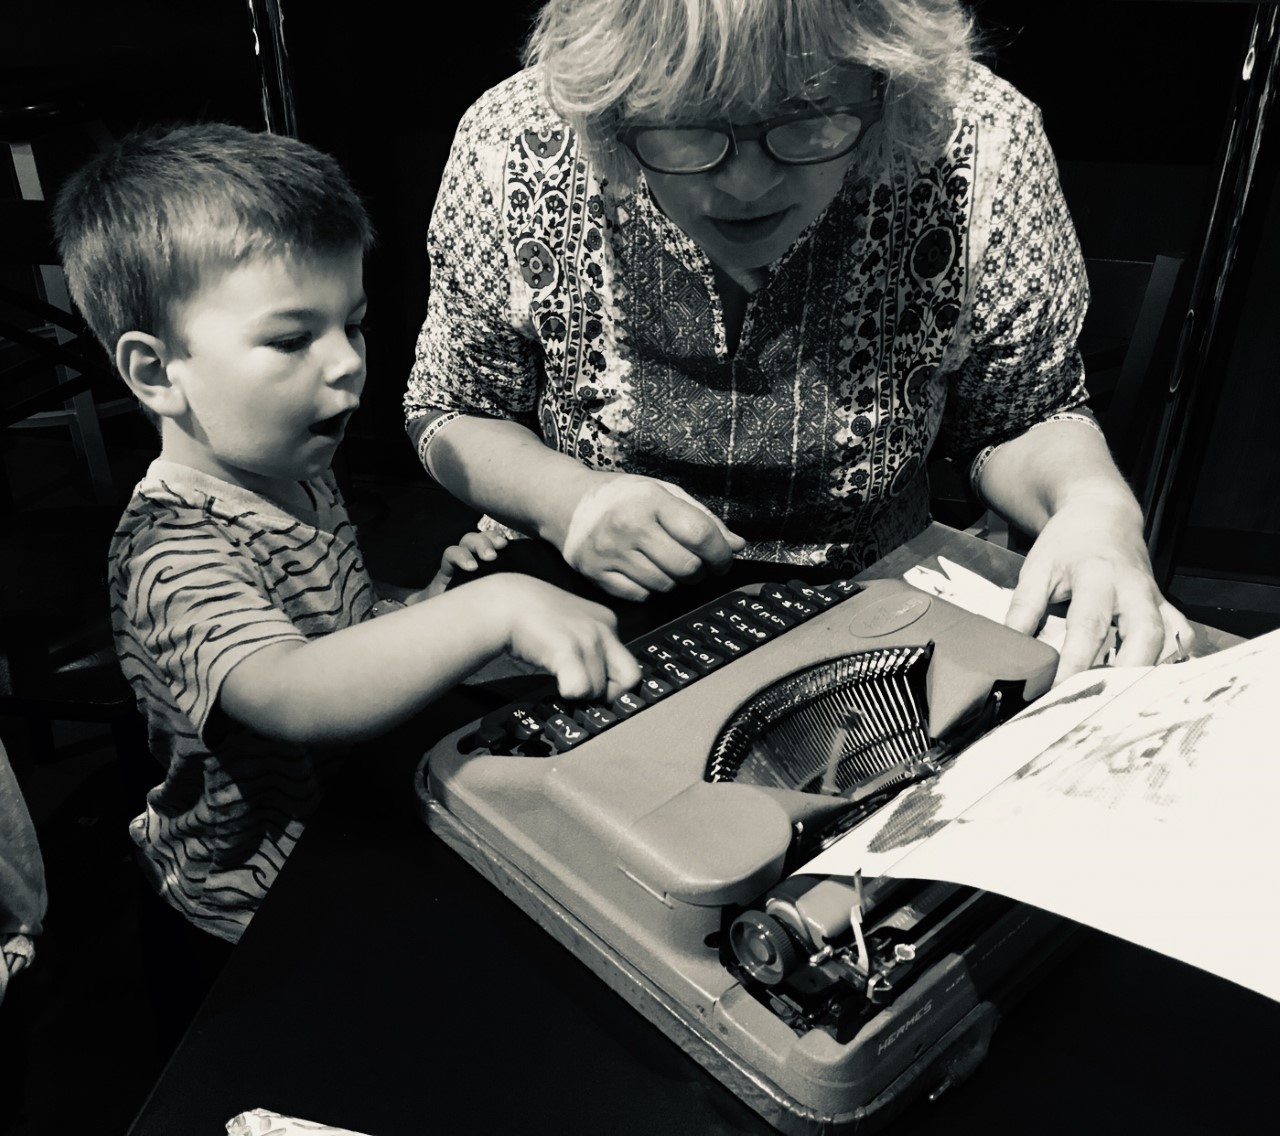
(203, 574)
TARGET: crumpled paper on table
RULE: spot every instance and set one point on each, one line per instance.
(264, 1122)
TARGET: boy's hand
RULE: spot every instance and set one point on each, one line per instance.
(572, 638)
(465, 556)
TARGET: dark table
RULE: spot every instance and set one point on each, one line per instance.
(387, 988)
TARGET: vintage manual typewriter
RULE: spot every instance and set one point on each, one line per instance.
(656, 838)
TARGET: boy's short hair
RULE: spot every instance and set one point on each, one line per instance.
(138, 224)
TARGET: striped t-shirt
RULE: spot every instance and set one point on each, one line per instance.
(204, 573)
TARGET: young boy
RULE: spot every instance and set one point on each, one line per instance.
(222, 269)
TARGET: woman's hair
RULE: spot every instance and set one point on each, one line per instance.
(606, 61)
(139, 224)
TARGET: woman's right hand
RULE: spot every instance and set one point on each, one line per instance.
(636, 535)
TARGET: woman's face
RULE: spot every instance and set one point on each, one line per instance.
(749, 211)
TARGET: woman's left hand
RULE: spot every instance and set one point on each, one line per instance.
(1091, 553)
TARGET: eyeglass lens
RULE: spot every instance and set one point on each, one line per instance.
(804, 139)
(681, 148)
(677, 148)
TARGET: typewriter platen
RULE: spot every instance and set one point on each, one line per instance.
(656, 839)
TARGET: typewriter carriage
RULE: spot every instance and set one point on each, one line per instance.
(821, 952)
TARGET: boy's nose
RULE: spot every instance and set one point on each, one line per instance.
(346, 359)
(748, 173)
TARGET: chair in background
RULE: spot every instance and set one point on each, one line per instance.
(52, 373)
(1128, 341)
(57, 658)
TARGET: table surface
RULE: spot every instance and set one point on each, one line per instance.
(387, 988)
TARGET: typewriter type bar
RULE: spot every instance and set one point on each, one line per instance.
(656, 838)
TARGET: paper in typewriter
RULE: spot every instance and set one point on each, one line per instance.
(1143, 801)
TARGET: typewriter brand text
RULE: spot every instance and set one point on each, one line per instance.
(888, 615)
(888, 1041)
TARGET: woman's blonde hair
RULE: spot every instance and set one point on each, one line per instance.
(606, 61)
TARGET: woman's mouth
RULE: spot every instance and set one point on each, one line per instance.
(748, 230)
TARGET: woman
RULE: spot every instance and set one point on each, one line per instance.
(710, 277)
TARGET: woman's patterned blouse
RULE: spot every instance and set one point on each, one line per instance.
(939, 302)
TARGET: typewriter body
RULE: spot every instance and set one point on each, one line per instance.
(657, 839)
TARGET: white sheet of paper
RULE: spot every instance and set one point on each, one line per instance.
(1138, 800)
(962, 587)
(264, 1122)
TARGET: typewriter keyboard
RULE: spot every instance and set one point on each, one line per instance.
(670, 658)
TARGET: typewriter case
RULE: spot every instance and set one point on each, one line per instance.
(660, 853)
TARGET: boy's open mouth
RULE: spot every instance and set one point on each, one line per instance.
(331, 427)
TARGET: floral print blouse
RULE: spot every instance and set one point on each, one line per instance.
(939, 302)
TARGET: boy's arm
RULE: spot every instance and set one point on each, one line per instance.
(358, 682)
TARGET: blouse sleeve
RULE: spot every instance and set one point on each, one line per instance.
(474, 354)
(1019, 364)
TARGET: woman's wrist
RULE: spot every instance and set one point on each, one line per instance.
(509, 472)
(572, 488)
(1056, 466)
(1103, 493)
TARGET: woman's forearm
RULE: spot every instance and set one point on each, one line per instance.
(509, 472)
(1031, 478)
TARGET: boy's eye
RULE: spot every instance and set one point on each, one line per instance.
(290, 344)
(360, 327)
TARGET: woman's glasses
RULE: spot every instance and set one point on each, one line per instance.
(801, 138)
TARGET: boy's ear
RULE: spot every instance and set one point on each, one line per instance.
(143, 363)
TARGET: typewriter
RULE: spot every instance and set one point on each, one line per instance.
(662, 840)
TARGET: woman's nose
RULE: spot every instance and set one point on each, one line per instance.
(748, 172)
